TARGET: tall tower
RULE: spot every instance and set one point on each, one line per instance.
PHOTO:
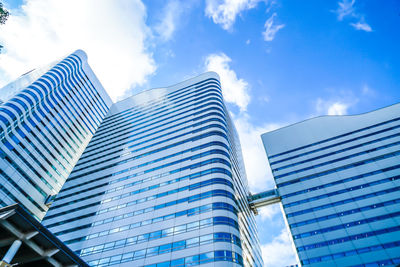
(339, 182)
(161, 183)
(47, 118)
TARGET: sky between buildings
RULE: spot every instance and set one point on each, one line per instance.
(280, 61)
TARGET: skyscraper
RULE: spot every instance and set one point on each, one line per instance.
(47, 118)
(161, 183)
(339, 179)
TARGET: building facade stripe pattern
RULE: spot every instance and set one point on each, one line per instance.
(161, 183)
(47, 118)
(339, 180)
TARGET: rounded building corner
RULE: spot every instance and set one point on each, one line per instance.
(82, 54)
(213, 74)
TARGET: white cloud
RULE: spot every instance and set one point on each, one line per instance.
(368, 91)
(361, 26)
(170, 19)
(279, 252)
(264, 99)
(113, 34)
(271, 29)
(224, 12)
(235, 90)
(268, 213)
(338, 109)
(255, 159)
(346, 9)
(329, 107)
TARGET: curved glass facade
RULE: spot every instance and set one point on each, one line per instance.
(47, 118)
(161, 183)
(339, 181)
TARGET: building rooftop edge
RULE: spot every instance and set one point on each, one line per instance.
(93, 77)
(205, 75)
(326, 116)
(322, 127)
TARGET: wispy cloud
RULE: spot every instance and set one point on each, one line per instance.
(333, 107)
(361, 26)
(346, 9)
(112, 33)
(271, 29)
(224, 12)
(170, 18)
(235, 90)
(368, 91)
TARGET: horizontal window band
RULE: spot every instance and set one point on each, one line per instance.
(93, 151)
(341, 150)
(133, 151)
(349, 238)
(352, 178)
(203, 154)
(197, 165)
(192, 198)
(155, 112)
(342, 202)
(342, 191)
(122, 147)
(329, 162)
(130, 127)
(169, 247)
(208, 257)
(347, 225)
(335, 137)
(171, 231)
(189, 212)
(110, 119)
(158, 195)
(341, 168)
(351, 252)
(344, 213)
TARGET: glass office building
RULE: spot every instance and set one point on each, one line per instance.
(47, 118)
(339, 179)
(161, 183)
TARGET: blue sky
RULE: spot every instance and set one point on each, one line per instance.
(280, 61)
